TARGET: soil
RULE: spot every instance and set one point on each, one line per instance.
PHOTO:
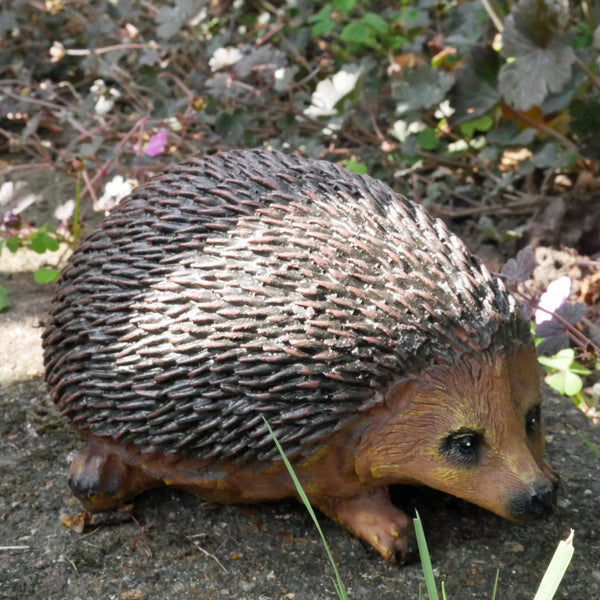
(180, 546)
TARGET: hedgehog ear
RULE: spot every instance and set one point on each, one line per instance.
(399, 396)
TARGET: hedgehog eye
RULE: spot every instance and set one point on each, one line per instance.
(533, 420)
(462, 447)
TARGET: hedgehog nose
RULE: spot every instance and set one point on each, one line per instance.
(536, 503)
(543, 500)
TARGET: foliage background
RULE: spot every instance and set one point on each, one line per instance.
(426, 95)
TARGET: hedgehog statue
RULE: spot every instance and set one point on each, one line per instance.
(254, 285)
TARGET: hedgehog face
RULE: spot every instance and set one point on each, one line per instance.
(473, 430)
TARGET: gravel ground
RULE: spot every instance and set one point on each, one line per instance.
(180, 546)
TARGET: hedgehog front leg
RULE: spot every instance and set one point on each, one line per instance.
(372, 517)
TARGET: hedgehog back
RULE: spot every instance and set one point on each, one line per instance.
(254, 283)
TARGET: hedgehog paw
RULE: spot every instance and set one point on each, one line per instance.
(372, 517)
(102, 481)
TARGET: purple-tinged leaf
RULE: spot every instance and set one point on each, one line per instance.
(555, 332)
(572, 312)
(519, 269)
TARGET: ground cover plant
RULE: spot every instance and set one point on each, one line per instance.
(111, 90)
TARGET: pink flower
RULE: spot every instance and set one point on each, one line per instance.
(558, 291)
(157, 143)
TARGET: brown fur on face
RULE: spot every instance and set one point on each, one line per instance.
(493, 405)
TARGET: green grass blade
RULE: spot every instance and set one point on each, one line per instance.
(425, 560)
(556, 569)
(496, 585)
(339, 584)
(589, 444)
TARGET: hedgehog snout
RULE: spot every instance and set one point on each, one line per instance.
(534, 503)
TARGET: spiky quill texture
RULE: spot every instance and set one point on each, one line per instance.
(254, 283)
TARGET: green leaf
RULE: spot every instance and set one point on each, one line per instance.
(357, 33)
(51, 243)
(585, 124)
(427, 139)
(4, 300)
(475, 92)
(376, 22)
(355, 166)
(539, 21)
(46, 275)
(323, 15)
(13, 243)
(534, 36)
(344, 6)
(321, 27)
(509, 134)
(41, 241)
(465, 25)
(231, 125)
(552, 156)
(394, 41)
(469, 128)
(413, 18)
(8, 21)
(421, 87)
(38, 242)
(170, 21)
(322, 21)
(565, 382)
(561, 361)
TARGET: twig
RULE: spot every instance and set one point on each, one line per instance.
(14, 548)
(87, 52)
(11, 94)
(493, 16)
(518, 207)
(587, 71)
(547, 130)
(265, 38)
(207, 553)
(29, 167)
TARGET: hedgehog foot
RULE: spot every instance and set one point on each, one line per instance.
(372, 517)
(103, 481)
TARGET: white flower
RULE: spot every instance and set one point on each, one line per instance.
(558, 291)
(64, 211)
(224, 57)
(114, 191)
(105, 97)
(331, 90)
